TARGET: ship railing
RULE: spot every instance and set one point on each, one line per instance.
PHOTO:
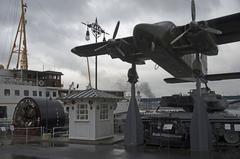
(60, 132)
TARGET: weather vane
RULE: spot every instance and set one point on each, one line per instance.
(97, 31)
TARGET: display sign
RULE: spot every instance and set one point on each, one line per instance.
(167, 126)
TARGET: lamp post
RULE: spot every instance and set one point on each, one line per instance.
(97, 31)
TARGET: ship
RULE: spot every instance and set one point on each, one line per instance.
(20, 82)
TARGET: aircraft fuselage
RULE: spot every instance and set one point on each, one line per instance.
(154, 41)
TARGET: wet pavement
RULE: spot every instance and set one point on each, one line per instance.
(118, 151)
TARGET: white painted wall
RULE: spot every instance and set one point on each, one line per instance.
(84, 129)
(93, 128)
(12, 100)
(104, 128)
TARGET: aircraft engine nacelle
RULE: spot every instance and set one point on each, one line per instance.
(148, 36)
(203, 42)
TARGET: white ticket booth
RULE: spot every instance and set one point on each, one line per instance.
(91, 114)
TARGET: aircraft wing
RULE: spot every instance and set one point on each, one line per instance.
(230, 27)
(123, 48)
(88, 50)
(211, 77)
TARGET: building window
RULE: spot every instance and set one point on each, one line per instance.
(47, 94)
(26, 93)
(17, 93)
(82, 112)
(54, 94)
(34, 93)
(40, 93)
(103, 112)
(7, 92)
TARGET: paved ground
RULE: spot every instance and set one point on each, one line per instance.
(61, 148)
(118, 151)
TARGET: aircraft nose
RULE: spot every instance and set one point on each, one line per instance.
(74, 50)
(143, 36)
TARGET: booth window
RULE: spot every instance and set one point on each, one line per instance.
(103, 112)
(82, 112)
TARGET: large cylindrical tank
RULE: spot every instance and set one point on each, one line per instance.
(38, 112)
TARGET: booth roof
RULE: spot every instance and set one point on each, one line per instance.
(90, 93)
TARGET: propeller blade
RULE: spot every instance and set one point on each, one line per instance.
(96, 21)
(180, 36)
(124, 41)
(212, 30)
(153, 46)
(120, 51)
(193, 10)
(116, 30)
(101, 47)
(83, 23)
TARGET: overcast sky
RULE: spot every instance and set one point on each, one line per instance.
(54, 28)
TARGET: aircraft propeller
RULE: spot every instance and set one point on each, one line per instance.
(116, 30)
(112, 42)
(195, 26)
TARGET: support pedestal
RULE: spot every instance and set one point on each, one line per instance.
(134, 127)
(200, 130)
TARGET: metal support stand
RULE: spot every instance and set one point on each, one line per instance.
(134, 125)
(96, 31)
(200, 134)
(96, 68)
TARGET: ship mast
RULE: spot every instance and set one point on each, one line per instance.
(20, 44)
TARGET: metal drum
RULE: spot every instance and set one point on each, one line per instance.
(38, 112)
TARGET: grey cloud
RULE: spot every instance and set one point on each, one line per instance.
(54, 28)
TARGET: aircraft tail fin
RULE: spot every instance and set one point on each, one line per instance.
(211, 77)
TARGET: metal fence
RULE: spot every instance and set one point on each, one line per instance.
(11, 135)
(5, 122)
(60, 132)
(30, 134)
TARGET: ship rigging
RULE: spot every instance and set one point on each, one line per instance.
(20, 44)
